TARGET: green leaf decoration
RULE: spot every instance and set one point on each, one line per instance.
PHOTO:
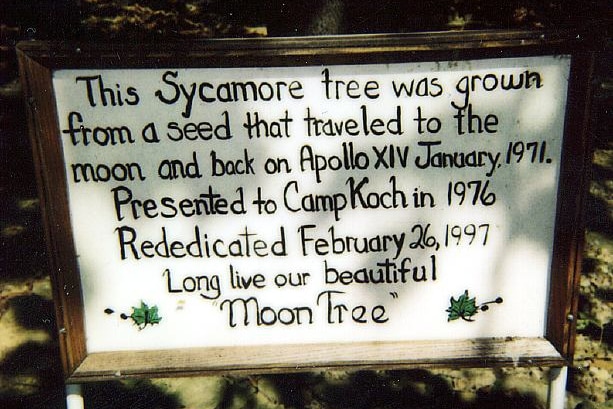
(145, 315)
(464, 307)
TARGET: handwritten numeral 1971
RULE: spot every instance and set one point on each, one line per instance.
(519, 151)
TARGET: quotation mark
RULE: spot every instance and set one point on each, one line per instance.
(394, 295)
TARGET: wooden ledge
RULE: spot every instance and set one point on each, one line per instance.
(302, 358)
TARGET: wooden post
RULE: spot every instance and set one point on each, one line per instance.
(74, 397)
(556, 396)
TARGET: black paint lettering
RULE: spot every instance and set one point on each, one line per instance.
(118, 172)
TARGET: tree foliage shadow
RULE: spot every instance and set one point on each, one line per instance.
(503, 399)
(597, 216)
(137, 394)
(34, 365)
(33, 368)
(43, 19)
(38, 365)
(397, 389)
(237, 393)
(34, 312)
(34, 376)
(24, 256)
(414, 389)
(22, 248)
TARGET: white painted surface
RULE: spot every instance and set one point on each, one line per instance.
(514, 264)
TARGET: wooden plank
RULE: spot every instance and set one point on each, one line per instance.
(296, 358)
(48, 161)
(569, 235)
(289, 51)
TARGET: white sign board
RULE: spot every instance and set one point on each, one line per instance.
(298, 205)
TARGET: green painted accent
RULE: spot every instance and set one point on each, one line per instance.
(145, 315)
(464, 307)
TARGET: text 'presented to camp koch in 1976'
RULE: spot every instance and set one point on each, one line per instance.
(341, 203)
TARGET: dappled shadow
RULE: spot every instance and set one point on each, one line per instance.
(589, 324)
(34, 312)
(592, 299)
(139, 394)
(505, 399)
(22, 247)
(31, 374)
(32, 377)
(50, 398)
(601, 173)
(237, 392)
(600, 333)
(597, 217)
(42, 19)
(23, 255)
(339, 17)
(34, 359)
(390, 389)
(295, 390)
(396, 389)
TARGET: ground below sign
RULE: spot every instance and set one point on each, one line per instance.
(313, 205)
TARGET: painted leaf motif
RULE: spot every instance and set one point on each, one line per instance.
(145, 315)
(154, 318)
(464, 307)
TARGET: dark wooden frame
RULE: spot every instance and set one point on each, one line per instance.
(38, 60)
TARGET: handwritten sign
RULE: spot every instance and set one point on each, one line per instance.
(335, 203)
(318, 204)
